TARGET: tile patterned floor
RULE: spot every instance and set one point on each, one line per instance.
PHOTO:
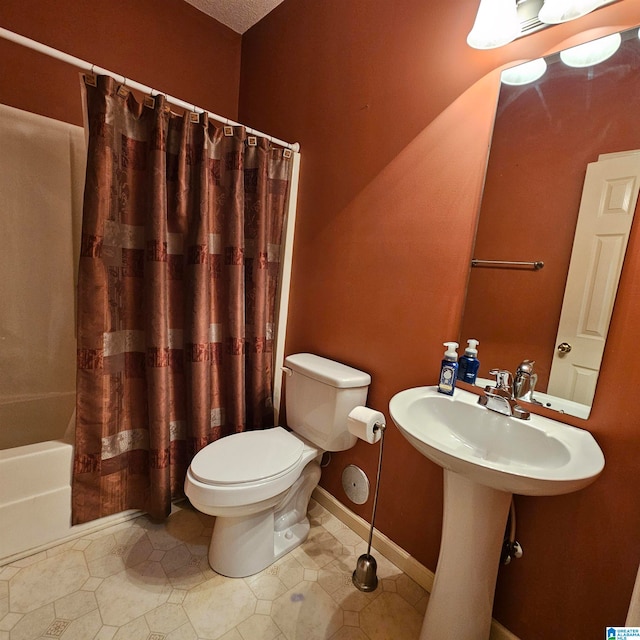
(146, 581)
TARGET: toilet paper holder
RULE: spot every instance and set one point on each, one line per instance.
(366, 424)
(364, 577)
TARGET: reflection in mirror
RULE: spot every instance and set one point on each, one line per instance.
(562, 178)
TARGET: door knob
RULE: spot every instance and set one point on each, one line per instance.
(564, 347)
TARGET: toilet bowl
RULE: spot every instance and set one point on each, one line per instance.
(260, 505)
(258, 483)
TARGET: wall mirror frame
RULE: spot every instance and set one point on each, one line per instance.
(545, 135)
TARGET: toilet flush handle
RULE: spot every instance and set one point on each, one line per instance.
(288, 371)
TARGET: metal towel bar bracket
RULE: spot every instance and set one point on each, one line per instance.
(536, 266)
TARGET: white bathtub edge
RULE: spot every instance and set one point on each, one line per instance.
(77, 531)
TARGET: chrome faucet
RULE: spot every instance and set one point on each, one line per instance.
(524, 382)
(501, 397)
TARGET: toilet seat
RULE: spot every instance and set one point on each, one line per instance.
(248, 469)
(247, 457)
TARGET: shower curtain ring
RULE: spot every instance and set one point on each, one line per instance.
(150, 101)
(90, 78)
(123, 92)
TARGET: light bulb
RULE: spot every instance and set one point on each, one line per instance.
(496, 24)
(557, 11)
(591, 53)
(524, 73)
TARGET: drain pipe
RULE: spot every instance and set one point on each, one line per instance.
(511, 547)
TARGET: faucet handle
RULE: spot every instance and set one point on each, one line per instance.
(526, 366)
(503, 381)
(525, 381)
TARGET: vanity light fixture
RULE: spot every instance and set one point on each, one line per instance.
(581, 56)
(591, 53)
(499, 22)
(524, 73)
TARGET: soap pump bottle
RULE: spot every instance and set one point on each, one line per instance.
(449, 369)
(469, 363)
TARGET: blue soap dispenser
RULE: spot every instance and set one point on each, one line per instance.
(469, 363)
(449, 369)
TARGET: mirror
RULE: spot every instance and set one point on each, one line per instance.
(546, 133)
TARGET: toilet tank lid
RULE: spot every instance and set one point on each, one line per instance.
(328, 371)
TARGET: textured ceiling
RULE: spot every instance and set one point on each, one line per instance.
(238, 15)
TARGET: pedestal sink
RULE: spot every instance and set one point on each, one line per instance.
(486, 458)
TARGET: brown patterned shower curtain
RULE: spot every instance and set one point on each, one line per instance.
(178, 272)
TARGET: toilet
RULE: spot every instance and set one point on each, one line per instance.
(258, 483)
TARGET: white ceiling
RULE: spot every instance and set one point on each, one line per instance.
(239, 15)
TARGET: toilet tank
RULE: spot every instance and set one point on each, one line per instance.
(320, 393)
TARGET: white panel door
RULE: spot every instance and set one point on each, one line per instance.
(606, 212)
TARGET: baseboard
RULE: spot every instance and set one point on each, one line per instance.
(389, 549)
(392, 552)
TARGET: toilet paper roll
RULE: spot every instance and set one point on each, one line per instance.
(362, 424)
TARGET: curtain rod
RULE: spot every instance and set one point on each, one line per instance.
(132, 84)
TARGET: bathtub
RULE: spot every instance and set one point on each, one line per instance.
(35, 476)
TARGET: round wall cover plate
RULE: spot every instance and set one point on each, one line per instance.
(355, 484)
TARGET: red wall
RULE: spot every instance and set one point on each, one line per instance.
(394, 114)
(166, 44)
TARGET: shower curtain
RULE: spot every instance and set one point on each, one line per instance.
(181, 238)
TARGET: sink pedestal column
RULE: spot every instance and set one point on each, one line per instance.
(461, 602)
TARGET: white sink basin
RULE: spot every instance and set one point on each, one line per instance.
(531, 457)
